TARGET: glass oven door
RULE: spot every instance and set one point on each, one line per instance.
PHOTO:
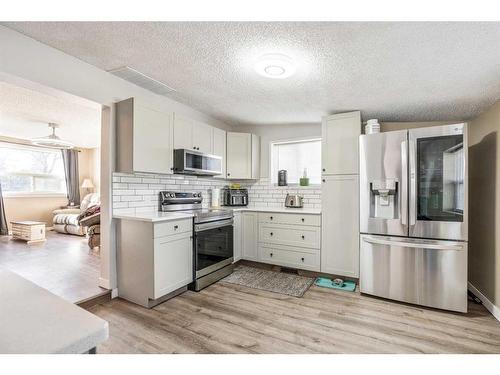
(213, 246)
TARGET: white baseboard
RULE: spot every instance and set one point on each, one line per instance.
(104, 283)
(114, 293)
(494, 310)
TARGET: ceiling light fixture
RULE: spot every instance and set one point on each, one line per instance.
(275, 65)
(52, 141)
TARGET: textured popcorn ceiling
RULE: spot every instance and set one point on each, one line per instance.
(25, 114)
(391, 71)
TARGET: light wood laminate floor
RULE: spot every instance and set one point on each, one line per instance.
(228, 318)
(62, 264)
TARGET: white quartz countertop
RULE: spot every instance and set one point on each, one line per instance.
(33, 320)
(154, 216)
(287, 210)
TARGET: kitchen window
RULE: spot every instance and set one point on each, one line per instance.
(294, 156)
(28, 171)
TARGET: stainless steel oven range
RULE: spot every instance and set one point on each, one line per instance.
(213, 236)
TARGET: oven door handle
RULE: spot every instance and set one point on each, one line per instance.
(212, 225)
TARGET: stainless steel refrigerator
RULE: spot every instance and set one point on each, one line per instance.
(413, 216)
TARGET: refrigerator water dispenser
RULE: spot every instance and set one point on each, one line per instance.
(384, 199)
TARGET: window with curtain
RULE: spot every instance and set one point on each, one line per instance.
(295, 156)
(28, 170)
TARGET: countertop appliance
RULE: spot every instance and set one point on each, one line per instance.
(413, 216)
(235, 197)
(213, 236)
(282, 177)
(294, 201)
(196, 162)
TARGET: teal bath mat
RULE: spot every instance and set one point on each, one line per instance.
(349, 286)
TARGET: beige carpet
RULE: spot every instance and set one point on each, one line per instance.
(277, 282)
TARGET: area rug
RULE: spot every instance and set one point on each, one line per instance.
(277, 282)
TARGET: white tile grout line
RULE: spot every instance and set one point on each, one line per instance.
(494, 310)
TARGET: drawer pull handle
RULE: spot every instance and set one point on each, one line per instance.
(271, 233)
(176, 227)
(302, 259)
(303, 237)
(271, 254)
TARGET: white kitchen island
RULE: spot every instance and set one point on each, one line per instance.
(35, 321)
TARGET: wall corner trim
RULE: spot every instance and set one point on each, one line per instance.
(494, 310)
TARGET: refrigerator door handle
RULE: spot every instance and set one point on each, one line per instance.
(413, 183)
(404, 183)
(421, 245)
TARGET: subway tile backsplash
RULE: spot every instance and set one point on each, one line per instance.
(139, 192)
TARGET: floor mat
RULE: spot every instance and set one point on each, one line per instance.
(277, 282)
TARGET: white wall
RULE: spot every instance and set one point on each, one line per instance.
(271, 133)
(29, 63)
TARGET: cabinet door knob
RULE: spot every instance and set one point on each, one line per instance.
(270, 217)
(176, 227)
(302, 219)
(324, 170)
(271, 233)
(324, 180)
(303, 237)
(271, 254)
(229, 174)
(302, 259)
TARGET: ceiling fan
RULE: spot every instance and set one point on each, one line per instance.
(52, 140)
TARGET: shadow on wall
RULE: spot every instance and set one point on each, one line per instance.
(482, 204)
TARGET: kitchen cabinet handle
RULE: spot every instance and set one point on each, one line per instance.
(229, 174)
(302, 219)
(303, 237)
(302, 259)
(271, 254)
(324, 180)
(176, 227)
(270, 217)
(271, 233)
(324, 170)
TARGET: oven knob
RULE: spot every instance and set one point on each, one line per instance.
(199, 195)
(172, 195)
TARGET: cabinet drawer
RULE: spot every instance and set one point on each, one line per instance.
(288, 256)
(291, 219)
(292, 235)
(173, 227)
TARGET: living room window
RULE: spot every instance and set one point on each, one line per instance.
(28, 170)
(294, 156)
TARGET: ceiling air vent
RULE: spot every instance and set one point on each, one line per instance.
(142, 80)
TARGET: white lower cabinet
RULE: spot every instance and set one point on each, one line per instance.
(154, 260)
(237, 236)
(173, 263)
(284, 239)
(249, 234)
(340, 225)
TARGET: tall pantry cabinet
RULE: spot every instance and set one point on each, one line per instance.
(340, 194)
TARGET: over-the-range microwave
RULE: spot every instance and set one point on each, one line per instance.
(196, 162)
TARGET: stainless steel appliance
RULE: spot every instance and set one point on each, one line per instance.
(294, 201)
(196, 162)
(413, 216)
(282, 177)
(213, 236)
(235, 197)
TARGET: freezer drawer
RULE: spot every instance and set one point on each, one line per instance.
(425, 272)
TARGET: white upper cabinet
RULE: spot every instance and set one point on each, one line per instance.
(340, 139)
(183, 132)
(243, 156)
(192, 135)
(144, 138)
(219, 148)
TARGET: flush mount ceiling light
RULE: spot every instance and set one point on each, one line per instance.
(275, 65)
(52, 141)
